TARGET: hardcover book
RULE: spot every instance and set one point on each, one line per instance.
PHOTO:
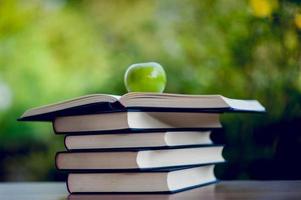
(142, 121)
(138, 140)
(139, 159)
(168, 181)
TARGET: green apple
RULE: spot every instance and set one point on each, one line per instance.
(145, 77)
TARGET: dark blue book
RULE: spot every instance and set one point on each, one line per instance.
(147, 140)
(138, 160)
(135, 122)
(160, 102)
(164, 181)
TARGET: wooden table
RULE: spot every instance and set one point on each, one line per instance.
(224, 190)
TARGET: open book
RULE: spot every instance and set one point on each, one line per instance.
(99, 103)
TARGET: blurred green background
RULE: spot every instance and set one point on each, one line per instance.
(53, 50)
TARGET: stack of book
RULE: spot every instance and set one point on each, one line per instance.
(139, 142)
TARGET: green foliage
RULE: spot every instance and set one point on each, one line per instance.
(54, 50)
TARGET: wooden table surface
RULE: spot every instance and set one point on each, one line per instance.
(224, 190)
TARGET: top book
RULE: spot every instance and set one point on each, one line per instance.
(98, 103)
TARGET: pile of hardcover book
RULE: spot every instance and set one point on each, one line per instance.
(140, 142)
